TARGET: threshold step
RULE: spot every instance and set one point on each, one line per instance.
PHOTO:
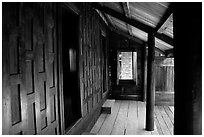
(106, 108)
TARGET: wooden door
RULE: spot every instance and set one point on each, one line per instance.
(70, 67)
(30, 99)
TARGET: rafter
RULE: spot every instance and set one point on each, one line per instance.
(122, 17)
(165, 38)
(134, 39)
(127, 14)
(132, 22)
(108, 18)
(101, 14)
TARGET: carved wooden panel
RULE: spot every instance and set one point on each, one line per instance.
(29, 67)
(91, 58)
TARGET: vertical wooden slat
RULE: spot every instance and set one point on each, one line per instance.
(48, 49)
(36, 78)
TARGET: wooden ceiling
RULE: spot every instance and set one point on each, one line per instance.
(148, 13)
(167, 27)
(136, 18)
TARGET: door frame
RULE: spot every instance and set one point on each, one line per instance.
(124, 50)
(71, 8)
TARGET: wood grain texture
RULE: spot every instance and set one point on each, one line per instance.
(132, 119)
(120, 121)
(107, 126)
(128, 118)
(91, 58)
(159, 130)
(170, 114)
(107, 106)
(30, 73)
(142, 119)
(167, 119)
(99, 123)
(162, 122)
(164, 70)
(172, 109)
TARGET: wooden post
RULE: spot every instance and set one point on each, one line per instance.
(144, 72)
(188, 68)
(150, 84)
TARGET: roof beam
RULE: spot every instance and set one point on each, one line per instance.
(101, 14)
(132, 22)
(159, 50)
(166, 15)
(127, 14)
(111, 24)
(165, 38)
(122, 17)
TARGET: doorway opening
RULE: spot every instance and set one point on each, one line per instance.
(128, 85)
(70, 62)
(127, 67)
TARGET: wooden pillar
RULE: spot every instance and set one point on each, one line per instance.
(188, 68)
(150, 84)
(144, 72)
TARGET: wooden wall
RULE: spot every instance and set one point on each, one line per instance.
(164, 72)
(91, 57)
(92, 64)
(30, 99)
(164, 81)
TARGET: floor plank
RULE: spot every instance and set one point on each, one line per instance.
(107, 126)
(141, 119)
(119, 125)
(168, 111)
(132, 120)
(155, 132)
(172, 109)
(159, 130)
(128, 118)
(166, 119)
(161, 122)
(98, 123)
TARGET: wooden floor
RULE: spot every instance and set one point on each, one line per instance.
(128, 118)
